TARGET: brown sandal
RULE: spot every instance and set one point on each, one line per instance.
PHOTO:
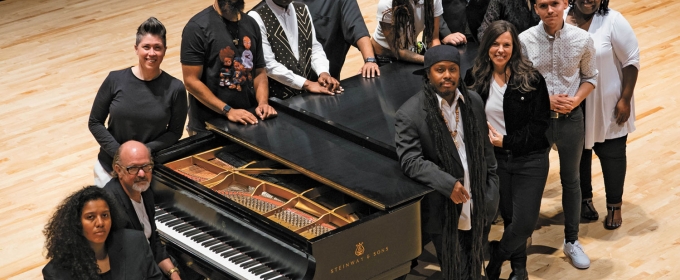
(609, 222)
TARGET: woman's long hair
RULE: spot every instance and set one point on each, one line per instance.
(64, 240)
(603, 10)
(523, 74)
(403, 26)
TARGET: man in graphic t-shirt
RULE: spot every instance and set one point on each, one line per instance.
(223, 66)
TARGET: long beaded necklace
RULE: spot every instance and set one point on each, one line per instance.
(454, 133)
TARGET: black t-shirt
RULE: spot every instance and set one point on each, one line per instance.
(228, 68)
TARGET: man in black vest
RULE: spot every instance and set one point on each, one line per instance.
(293, 56)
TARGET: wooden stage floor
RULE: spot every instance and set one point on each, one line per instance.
(55, 54)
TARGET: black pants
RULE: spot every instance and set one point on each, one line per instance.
(522, 181)
(612, 154)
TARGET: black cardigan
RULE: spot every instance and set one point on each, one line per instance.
(527, 116)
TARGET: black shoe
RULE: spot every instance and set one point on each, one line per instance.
(496, 259)
(519, 268)
(588, 211)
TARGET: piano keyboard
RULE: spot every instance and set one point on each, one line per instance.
(220, 251)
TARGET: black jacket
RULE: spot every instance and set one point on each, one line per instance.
(527, 116)
(114, 188)
(419, 160)
(129, 257)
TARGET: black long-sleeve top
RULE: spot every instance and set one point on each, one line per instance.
(152, 112)
(526, 114)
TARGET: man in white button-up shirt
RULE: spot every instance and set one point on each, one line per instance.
(441, 139)
(565, 56)
(291, 50)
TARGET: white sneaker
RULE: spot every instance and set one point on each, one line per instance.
(575, 252)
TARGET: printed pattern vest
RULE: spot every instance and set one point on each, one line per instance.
(281, 48)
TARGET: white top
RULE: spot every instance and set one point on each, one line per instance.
(494, 106)
(385, 6)
(288, 20)
(616, 47)
(143, 218)
(565, 60)
(449, 112)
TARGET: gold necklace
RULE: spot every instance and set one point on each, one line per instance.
(454, 133)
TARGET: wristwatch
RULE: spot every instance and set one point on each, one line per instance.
(371, 60)
(226, 109)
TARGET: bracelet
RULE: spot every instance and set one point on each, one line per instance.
(173, 270)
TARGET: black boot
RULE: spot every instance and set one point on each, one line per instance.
(519, 268)
(496, 259)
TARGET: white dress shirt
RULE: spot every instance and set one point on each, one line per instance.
(449, 112)
(565, 60)
(616, 47)
(384, 6)
(288, 20)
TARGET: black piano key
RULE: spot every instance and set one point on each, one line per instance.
(166, 218)
(174, 223)
(230, 253)
(259, 270)
(183, 227)
(201, 237)
(220, 248)
(249, 263)
(192, 232)
(240, 259)
(270, 275)
(210, 243)
(159, 212)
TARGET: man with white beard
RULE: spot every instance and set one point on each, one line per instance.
(132, 166)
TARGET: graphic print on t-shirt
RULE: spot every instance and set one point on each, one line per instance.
(247, 54)
(236, 69)
(227, 58)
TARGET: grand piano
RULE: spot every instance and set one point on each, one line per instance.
(315, 193)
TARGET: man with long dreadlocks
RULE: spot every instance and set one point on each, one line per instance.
(399, 23)
(441, 142)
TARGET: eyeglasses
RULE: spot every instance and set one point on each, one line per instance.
(133, 170)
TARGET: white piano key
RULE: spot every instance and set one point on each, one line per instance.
(214, 258)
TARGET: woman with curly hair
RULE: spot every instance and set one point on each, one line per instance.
(399, 23)
(517, 108)
(84, 241)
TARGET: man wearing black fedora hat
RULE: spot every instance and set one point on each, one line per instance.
(442, 142)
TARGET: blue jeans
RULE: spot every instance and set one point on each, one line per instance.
(522, 181)
(567, 132)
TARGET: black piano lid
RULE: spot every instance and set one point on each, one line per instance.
(368, 106)
(332, 160)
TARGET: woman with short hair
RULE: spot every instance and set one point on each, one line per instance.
(142, 103)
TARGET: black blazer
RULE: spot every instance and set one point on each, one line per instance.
(114, 188)
(527, 116)
(129, 256)
(420, 162)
